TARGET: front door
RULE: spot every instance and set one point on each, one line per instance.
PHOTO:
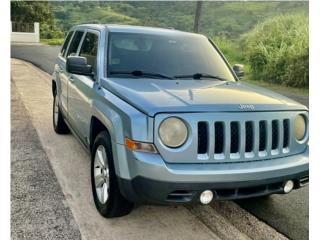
(81, 87)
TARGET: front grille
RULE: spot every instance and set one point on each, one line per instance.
(275, 134)
(262, 135)
(257, 137)
(286, 135)
(219, 137)
(202, 137)
(249, 137)
(233, 137)
(234, 144)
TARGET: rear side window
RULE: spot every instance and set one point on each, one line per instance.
(89, 49)
(75, 43)
(66, 42)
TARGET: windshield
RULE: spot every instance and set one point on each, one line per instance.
(173, 55)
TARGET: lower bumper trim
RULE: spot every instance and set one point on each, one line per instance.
(142, 189)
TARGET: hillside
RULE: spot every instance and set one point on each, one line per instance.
(230, 18)
(231, 25)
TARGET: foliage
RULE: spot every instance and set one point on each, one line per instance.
(278, 88)
(229, 18)
(238, 17)
(29, 12)
(278, 50)
(69, 14)
(22, 11)
(273, 48)
(55, 41)
(48, 31)
(230, 49)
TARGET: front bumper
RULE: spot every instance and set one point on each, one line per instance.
(153, 180)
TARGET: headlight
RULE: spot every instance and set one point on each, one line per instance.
(173, 132)
(300, 127)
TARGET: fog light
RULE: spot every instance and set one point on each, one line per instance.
(206, 197)
(288, 186)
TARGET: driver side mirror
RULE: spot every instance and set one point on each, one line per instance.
(238, 69)
(78, 65)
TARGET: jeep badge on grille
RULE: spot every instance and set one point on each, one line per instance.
(246, 106)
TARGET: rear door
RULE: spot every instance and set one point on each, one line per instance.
(63, 74)
(59, 71)
(81, 87)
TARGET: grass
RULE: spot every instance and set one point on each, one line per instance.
(55, 41)
(234, 54)
(278, 88)
(278, 50)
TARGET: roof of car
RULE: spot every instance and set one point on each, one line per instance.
(132, 29)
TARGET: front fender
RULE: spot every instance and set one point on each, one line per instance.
(121, 120)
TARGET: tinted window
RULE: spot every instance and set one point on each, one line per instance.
(89, 49)
(170, 54)
(66, 42)
(75, 43)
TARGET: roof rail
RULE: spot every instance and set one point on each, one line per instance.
(91, 22)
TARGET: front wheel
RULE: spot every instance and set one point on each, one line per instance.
(106, 194)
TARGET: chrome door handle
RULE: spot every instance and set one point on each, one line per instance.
(71, 79)
(60, 69)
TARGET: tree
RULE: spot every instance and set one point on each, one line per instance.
(197, 16)
(34, 11)
(29, 12)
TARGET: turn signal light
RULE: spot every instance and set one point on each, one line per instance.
(140, 146)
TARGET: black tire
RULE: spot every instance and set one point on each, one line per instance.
(59, 126)
(116, 205)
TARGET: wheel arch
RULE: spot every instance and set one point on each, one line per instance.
(99, 124)
(118, 118)
(96, 127)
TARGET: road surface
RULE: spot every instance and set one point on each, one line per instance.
(35, 192)
(289, 214)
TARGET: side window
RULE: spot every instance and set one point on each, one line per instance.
(89, 49)
(65, 44)
(74, 43)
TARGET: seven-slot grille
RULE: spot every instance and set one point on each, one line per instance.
(245, 138)
(227, 137)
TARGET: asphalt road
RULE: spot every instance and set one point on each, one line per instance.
(40, 55)
(289, 214)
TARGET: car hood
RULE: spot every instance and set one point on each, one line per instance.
(153, 96)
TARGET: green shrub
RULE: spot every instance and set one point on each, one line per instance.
(55, 41)
(278, 50)
(50, 31)
(229, 48)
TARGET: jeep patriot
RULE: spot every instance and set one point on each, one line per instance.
(166, 120)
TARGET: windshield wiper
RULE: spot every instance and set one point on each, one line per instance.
(201, 75)
(140, 73)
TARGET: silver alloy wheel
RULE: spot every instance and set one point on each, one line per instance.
(56, 110)
(101, 174)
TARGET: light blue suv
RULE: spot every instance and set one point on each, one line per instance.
(166, 120)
